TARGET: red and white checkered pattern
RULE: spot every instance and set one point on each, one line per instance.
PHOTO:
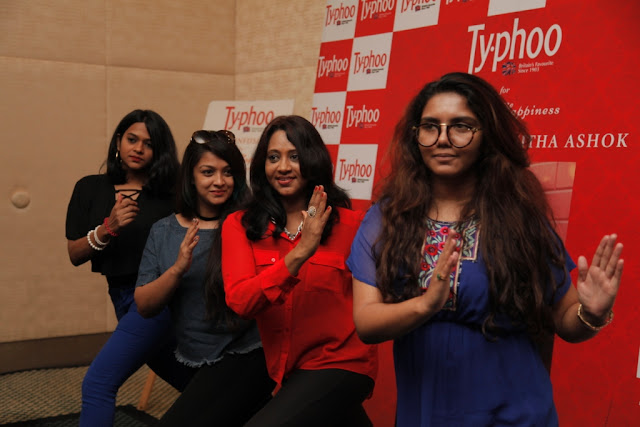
(568, 68)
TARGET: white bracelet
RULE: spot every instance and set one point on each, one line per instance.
(95, 236)
(97, 248)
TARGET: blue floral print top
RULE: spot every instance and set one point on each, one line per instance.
(447, 372)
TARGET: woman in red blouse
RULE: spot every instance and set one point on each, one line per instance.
(283, 263)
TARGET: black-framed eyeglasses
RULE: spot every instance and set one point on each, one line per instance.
(459, 134)
(204, 136)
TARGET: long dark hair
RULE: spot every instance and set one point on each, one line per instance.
(164, 163)
(222, 145)
(518, 243)
(315, 167)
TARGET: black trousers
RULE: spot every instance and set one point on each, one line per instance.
(224, 394)
(327, 397)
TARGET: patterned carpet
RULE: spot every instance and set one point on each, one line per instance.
(125, 416)
(42, 393)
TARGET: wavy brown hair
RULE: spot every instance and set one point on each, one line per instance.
(517, 241)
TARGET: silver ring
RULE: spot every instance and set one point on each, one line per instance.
(312, 211)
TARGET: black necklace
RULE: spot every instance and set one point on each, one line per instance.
(208, 218)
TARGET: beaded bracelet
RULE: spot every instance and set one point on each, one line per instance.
(95, 236)
(589, 325)
(110, 231)
(97, 248)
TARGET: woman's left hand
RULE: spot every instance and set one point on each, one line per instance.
(314, 220)
(185, 254)
(598, 284)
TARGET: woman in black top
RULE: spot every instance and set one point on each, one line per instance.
(108, 221)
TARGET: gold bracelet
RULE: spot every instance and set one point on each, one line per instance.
(589, 325)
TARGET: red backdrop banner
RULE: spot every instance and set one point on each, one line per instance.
(568, 69)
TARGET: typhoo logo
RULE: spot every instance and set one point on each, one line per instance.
(365, 63)
(370, 9)
(336, 15)
(415, 5)
(241, 120)
(325, 119)
(362, 116)
(354, 172)
(503, 45)
(329, 67)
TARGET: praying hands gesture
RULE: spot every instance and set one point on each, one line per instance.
(438, 291)
(185, 254)
(155, 295)
(314, 220)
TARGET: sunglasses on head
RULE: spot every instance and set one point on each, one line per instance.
(204, 136)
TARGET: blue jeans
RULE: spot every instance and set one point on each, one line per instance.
(134, 342)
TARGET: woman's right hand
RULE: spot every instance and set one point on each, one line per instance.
(123, 213)
(185, 254)
(377, 321)
(439, 288)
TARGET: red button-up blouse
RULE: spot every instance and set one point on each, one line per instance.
(305, 322)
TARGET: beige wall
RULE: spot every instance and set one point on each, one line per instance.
(70, 71)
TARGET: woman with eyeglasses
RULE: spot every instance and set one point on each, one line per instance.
(181, 269)
(283, 264)
(108, 220)
(459, 264)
